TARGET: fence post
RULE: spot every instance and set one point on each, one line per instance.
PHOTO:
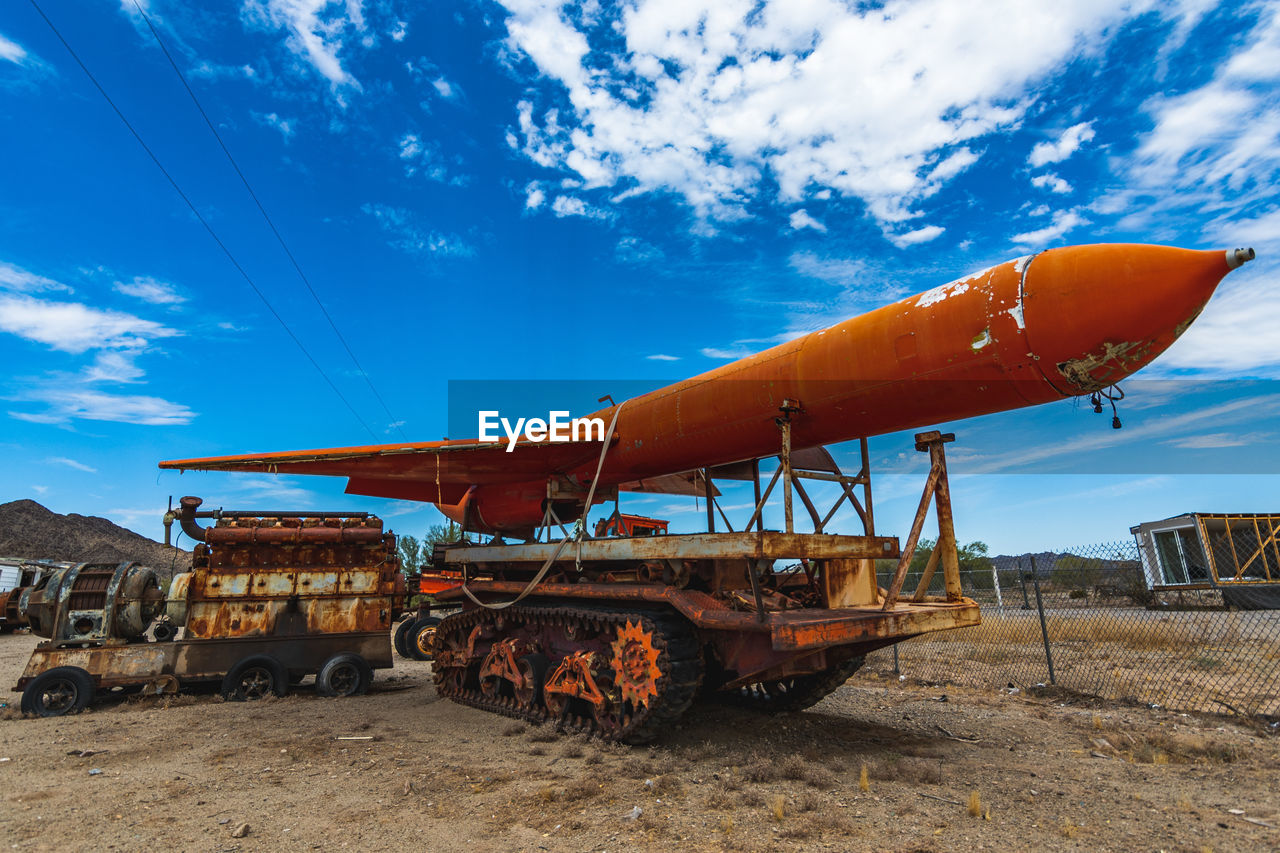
(896, 671)
(995, 582)
(1044, 627)
(1022, 578)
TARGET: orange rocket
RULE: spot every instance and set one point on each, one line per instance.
(1060, 323)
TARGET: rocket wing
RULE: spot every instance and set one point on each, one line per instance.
(438, 472)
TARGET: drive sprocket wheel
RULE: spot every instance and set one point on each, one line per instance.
(636, 673)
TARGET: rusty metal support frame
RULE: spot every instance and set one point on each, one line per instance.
(792, 478)
(937, 491)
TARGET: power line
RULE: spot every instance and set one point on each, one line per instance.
(202, 220)
(279, 238)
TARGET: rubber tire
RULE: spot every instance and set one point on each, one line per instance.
(233, 690)
(400, 639)
(73, 677)
(411, 639)
(341, 667)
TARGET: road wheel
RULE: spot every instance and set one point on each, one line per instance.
(533, 667)
(61, 690)
(421, 638)
(255, 678)
(400, 639)
(345, 674)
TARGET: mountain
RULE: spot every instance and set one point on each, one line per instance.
(32, 531)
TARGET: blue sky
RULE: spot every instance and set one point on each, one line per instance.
(629, 193)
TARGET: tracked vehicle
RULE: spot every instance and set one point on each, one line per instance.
(617, 637)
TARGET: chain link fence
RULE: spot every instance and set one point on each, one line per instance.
(1089, 619)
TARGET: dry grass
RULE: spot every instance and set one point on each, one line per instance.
(778, 807)
(1167, 748)
(902, 768)
(721, 800)
(792, 768)
(1128, 629)
(575, 791)
(542, 734)
(975, 804)
(864, 780)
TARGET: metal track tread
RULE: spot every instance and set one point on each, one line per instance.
(792, 694)
(678, 660)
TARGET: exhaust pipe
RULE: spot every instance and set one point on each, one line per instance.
(187, 517)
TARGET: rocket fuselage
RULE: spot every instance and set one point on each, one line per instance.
(1060, 323)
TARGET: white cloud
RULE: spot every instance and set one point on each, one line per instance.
(920, 235)
(73, 327)
(1063, 221)
(1052, 183)
(445, 89)
(151, 290)
(1248, 409)
(1218, 146)
(567, 205)
(534, 196)
(415, 239)
(877, 102)
(1238, 332)
(633, 250)
(71, 463)
(70, 403)
(213, 71)
(421, 157)
(1219, 439)
(1069, 143)
(657, 356)
(318, 30)
(113, 367)
(843, 271)
(725, 354)
(286, 126)
(399, 31)
(801, 219)
(24, 281)
(12, 51)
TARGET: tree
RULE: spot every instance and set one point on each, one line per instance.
(975, 567)
(447, 532)
(410, 550)
(1075, 572)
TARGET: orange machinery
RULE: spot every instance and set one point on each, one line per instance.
(616, 636)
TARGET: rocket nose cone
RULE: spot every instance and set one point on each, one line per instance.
(1096, 314)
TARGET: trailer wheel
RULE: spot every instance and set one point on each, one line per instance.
(400, 639)
(344, 675)
(421, 638)
(254, 678)
(61, 690)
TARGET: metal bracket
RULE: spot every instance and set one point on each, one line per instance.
(938, 491)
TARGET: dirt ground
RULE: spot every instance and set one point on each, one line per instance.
(945, 768)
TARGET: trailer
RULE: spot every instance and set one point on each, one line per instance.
(271, 599)
(1235, 555)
